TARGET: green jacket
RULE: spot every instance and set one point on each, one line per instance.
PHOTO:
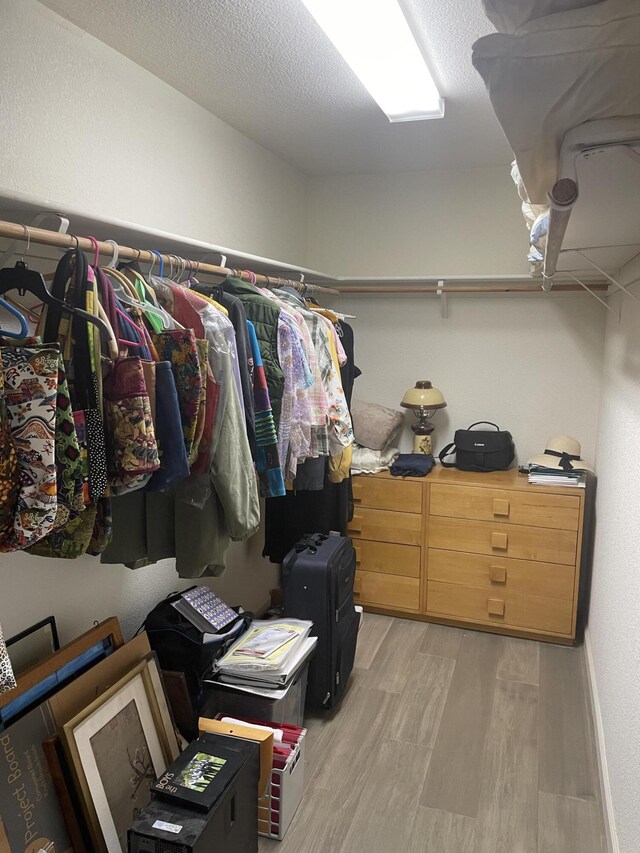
(264, 314)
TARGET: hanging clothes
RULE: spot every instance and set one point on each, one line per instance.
(31, 385)
(8, 465)
(238, 317)
(267, 461)
(195, 521)
(156, 437)
(321, 510)
(264, 315)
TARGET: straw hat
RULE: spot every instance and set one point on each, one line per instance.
(561, 452)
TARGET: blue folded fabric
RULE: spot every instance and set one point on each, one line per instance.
(412, 465)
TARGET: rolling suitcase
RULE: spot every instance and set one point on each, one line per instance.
(318, 575)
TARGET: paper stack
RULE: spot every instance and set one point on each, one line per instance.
(541, 476)
(268, 655)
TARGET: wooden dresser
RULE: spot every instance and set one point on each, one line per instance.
(485, 550)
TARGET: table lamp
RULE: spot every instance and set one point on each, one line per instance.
(423, 400)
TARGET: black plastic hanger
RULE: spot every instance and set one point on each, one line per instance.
(215, 291)
(22, 279)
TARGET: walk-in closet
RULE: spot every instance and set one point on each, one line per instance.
(319, 426)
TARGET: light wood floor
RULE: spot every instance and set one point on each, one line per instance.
(452, 741)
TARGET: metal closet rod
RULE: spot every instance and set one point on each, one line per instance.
(468, 288)
(15, 231)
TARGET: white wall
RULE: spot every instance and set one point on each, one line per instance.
(79, 592)
(87, 128)
(462, 222)
(82, 125)
(531, 365)
(614, 617)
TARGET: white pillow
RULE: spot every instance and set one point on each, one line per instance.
(507, 16)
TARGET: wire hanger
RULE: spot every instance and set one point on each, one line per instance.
(22, 279)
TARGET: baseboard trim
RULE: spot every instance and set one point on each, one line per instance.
(613, 845)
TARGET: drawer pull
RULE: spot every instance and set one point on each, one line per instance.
(497, 574)
(357, 553)
(355, 524)
(495, 607)
(499, 540)
(356, 498)
(500, 506)
(357, 586)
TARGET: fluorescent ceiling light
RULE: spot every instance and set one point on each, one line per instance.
(374, 38)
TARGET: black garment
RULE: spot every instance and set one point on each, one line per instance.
(238, 318)
(289, 518)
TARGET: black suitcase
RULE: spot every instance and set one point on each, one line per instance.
(318, 575)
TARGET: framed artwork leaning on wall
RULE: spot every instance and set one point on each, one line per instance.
(117, 748)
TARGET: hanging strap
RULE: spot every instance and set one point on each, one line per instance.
(73, 263)
(449, 450)
(488, 423)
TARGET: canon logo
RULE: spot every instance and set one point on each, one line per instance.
(478, 445)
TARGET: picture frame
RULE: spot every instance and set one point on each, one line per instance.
(32, 645)
(117, 747)
(48, 676)
(65, 792)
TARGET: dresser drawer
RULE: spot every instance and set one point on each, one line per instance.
(387, 558)
(496, 574)
(390, 591)
(503, 540)
(396, 495)
(554, 615)
(523, 507)
(402, 527)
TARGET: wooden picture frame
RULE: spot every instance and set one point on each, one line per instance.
(115, 746)
(66, 793)
(109, 631)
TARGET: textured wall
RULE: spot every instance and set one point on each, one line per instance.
(531, 365)
(87, 128)
(614, 618)
(457, 222)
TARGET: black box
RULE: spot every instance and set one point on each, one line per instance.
(230, 825)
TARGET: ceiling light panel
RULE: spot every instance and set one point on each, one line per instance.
(376, 41)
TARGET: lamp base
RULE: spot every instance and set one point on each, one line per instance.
(422, 436)
(422, 444)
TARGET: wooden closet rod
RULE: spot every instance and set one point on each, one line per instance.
(15, 231)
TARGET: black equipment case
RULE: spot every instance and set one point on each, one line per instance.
(318, 575)
(230, 825)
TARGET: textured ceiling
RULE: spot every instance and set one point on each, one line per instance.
(266, 68)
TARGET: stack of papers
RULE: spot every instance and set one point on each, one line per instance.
(541, 476)
(268, 655)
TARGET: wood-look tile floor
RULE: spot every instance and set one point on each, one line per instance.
(452, 741)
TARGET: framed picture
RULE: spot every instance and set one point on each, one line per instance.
(33, 644)
(118, 746)
(59, 668)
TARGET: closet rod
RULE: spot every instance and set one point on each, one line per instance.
(477, 288)
(15, 231)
